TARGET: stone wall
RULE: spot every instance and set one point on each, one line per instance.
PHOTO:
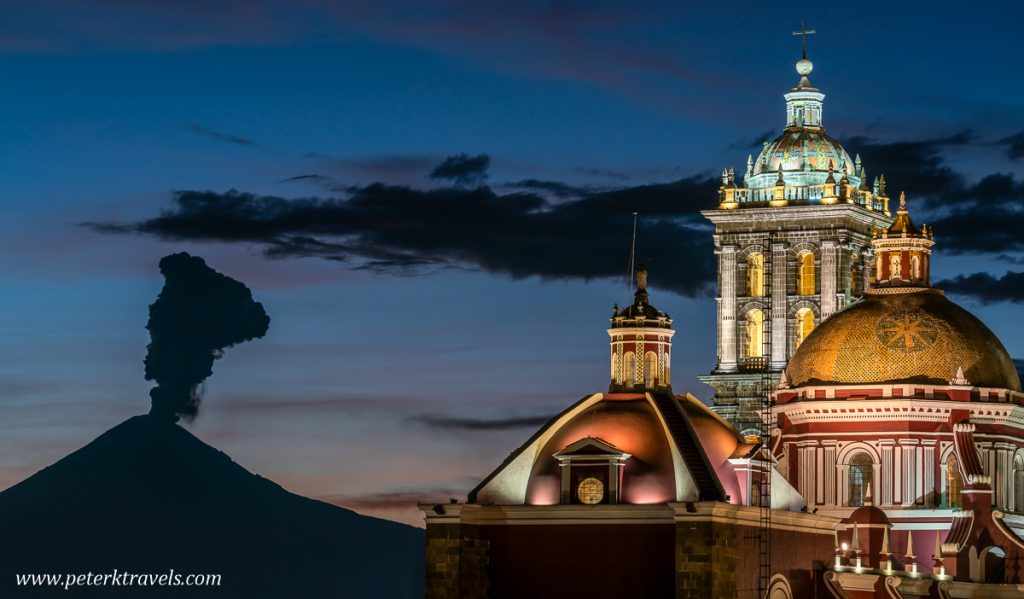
(706, 560)
(456, 562)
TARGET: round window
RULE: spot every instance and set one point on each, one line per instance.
(590, 491)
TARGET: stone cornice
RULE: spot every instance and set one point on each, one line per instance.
(903, 410)
(795, 213)
(661, 513)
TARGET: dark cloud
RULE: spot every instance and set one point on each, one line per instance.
(400, 229)
(312, 178)
(220, 135)
(917, 167)
(988, 219)
(603, 172)
(755, 142)
(981, 217)
(1014, 145)
(462, 169)
(479, 424)
(394, 499)
(554, 188)
(987, 288)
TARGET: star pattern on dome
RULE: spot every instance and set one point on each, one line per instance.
(907, 331)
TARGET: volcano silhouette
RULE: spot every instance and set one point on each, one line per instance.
(148, 496)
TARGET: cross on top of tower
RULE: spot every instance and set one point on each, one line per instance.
(804, 32)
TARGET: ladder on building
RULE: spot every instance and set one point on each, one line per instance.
(764, 537)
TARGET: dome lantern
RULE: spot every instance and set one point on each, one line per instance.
(641, 344)
(903, 253)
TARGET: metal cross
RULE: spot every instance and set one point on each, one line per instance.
(804, 31)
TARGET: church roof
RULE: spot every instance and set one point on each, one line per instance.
(678, 450)
(913, 335)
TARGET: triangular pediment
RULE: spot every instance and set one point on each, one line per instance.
(591, 447)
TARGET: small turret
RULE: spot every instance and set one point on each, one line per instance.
(903, 252)
(641, 343)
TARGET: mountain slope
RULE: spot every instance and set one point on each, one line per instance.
(148, 496)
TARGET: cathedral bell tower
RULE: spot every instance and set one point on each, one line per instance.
(641, 344)
(794, 246)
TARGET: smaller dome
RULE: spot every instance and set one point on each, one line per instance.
(867, 514)
(911, 335)
(787, 151)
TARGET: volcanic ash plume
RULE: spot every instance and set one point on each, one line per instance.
(198, 314)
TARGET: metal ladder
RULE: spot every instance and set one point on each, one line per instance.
(764, 537)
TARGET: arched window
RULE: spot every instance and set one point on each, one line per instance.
(755, 270)
(650, 369)
(895, 262)
(615, 368)
(804, 324)
(861, 469)
(915, 267)
(807, 274)
(628, 372)
(755, 337)
(954, 484)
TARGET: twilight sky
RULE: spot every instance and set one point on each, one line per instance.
(432, 203)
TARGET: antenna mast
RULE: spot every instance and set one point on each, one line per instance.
(632, 258)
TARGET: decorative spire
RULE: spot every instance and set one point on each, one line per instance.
(884, 555)
(903, 201)
(909, 558)
(959, 379)
(780, 181)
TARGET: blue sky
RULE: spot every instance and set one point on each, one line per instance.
(110, 107)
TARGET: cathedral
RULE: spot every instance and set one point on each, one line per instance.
(866, 438)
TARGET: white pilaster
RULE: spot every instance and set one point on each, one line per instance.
(829, 279)
(778, 322)
(887, 473)
(829, 471)
(727, 303)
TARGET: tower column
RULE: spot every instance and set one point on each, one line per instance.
(727, 303)
(829, 278)
(779, 292)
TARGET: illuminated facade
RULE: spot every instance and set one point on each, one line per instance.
(635, 492)
(793, 243)
(906, 410)
(895, 450)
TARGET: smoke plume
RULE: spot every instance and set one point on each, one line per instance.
(198, 314)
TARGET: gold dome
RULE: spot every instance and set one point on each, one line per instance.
(916, 336)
